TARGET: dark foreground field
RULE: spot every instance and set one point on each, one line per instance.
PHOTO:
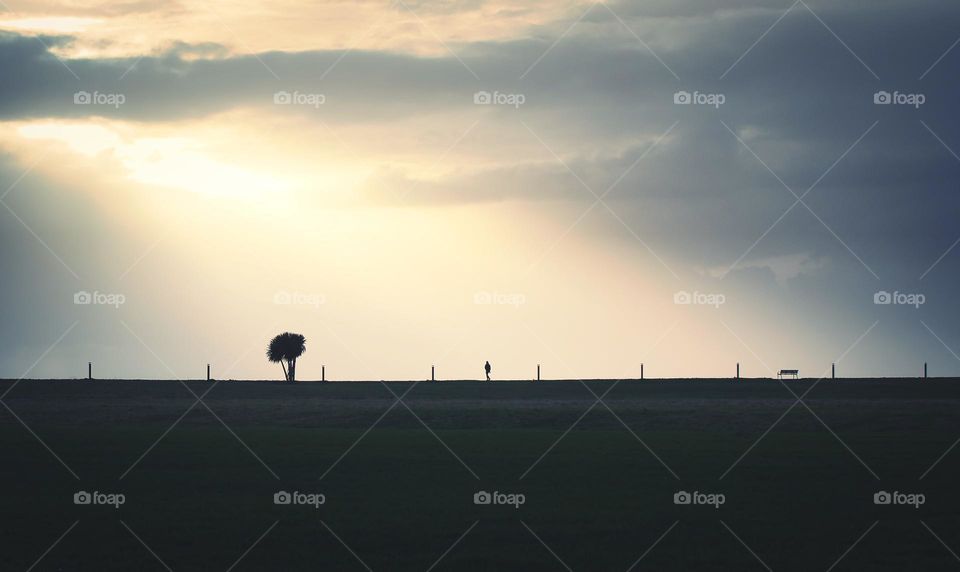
(199, 486)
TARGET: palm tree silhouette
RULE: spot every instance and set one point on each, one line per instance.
(287, 347)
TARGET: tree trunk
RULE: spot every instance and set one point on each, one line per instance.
(285, 376)
(293, 370)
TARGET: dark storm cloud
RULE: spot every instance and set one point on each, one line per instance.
(799, 99)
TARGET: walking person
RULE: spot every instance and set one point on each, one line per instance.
(486, 368)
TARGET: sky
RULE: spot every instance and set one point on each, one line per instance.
(585, 186)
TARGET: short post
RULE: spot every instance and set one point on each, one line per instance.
(208, 372)
(833, 371)
(432, 378)
(738, 370)
(89, 370)
(641, 372)
(538, 372)
(924, 370)
(323, 373)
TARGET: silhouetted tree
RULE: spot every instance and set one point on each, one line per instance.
(287, 347)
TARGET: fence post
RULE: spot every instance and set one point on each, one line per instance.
(924, 370)
(208, 372)
(738, 370)
(432, 378)
(89, 370)
(641, 372)
(538, 372)
(323, 373)
(833, 371)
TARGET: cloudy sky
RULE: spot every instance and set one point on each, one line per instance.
(587, 186)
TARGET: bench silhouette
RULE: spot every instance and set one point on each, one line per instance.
(794, 372)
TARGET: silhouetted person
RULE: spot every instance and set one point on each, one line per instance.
(486, 368)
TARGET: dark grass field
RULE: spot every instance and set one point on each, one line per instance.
(400, 496)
